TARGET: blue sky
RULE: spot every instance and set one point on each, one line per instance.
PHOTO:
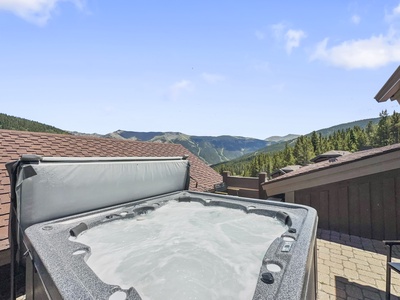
(245, 68)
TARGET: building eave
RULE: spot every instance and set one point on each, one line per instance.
(391, 89)
(364, 167)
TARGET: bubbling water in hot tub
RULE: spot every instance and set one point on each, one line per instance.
(183, 251)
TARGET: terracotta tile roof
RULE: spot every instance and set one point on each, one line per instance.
(341, 160)
(15, 143)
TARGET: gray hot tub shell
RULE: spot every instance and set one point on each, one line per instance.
(56, 198)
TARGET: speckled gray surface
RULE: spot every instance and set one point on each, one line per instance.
(67, 275)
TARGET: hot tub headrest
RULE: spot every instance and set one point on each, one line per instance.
(283, 217)
(47, 188)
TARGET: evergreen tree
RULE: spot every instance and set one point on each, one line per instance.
(352, 141)
(395, 128)
(288, 156)
(382, 137)
(303, 150)
(277, 160)
(370, 131)
(316, 142)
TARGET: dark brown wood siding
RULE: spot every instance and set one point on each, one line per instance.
(245, 186)
(367, 206)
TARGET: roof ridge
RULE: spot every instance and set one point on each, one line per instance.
(341, 160)
(73, 136)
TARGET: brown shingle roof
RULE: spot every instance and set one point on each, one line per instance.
(341, 160)
(13, 144)
(284, 170)
(328, 155)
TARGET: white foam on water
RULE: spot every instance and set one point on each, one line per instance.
(183, 251)
(118, 296)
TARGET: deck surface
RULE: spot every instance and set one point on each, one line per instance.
(350, 267)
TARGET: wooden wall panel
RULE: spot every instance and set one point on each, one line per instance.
(377, 210)
(303, 198)
(333, 211)
(324, 209)
(389, 208)
(397, 191)
(307, 199)
(354, 210)
(314, 200)
(368, 206)
(343, 209)
(365, 210)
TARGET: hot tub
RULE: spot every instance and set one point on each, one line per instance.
(114, 228)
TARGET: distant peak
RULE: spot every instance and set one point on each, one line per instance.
(277, 138)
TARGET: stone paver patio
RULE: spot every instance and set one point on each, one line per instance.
(350, 267)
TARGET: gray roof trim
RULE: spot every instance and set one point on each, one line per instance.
(390, 88)
(341, 160)
(363, 164)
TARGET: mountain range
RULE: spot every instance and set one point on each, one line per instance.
(212, 149)
(218, 149)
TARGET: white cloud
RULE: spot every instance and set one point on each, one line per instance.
(356, 19)
(393, 14)
(293, 38)
(35, 11)
(178, 88)
(212, 78)
(278, 30)
(369, 53)
(396, 10)
(377, 51)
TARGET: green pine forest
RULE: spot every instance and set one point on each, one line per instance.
(306, 147)
(15, 123)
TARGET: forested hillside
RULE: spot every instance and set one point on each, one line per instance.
(15, 123)
(279, 139)
(212, 149)
(386, 132)
(278, 146)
